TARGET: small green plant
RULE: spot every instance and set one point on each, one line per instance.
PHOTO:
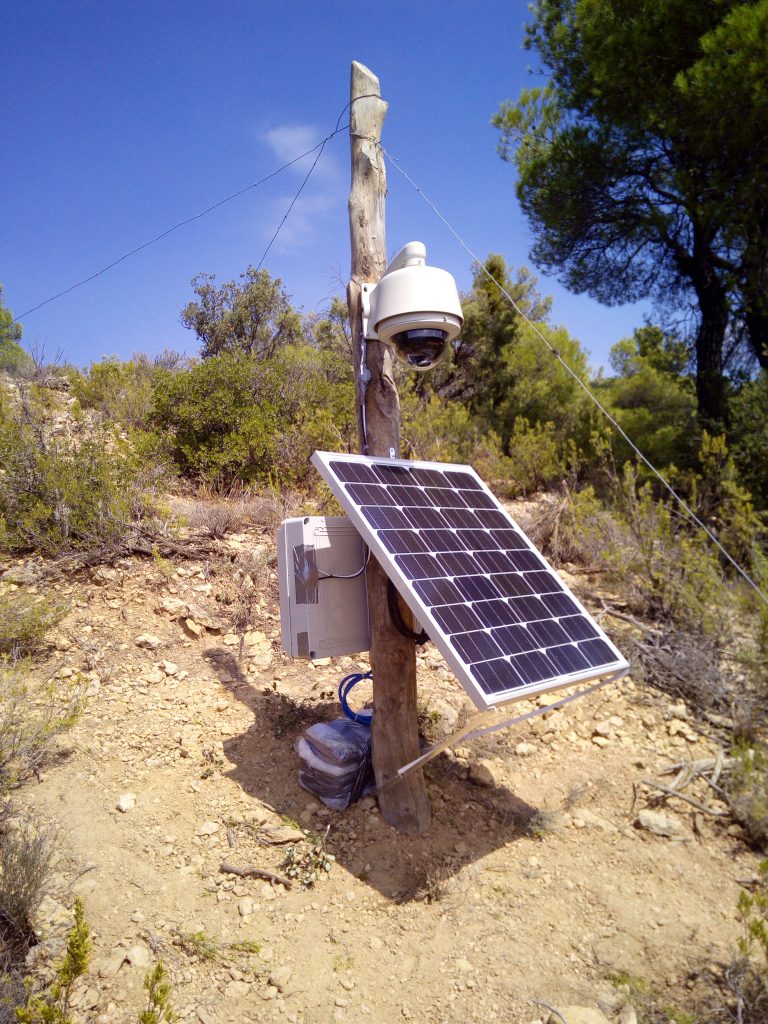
(249, 946)
(198, 944)
(52, 1005)
(26, 736)
(25, 619)
(748, 976)
(308, 862)
(747, 792)
(158, 989)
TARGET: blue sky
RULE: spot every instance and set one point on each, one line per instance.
(122, 119)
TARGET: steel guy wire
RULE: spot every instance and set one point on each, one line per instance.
(182, 223)
(682, 503)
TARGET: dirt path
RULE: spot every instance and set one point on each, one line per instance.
(536, 887)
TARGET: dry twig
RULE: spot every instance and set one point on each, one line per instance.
(248, 872)
(669, 791)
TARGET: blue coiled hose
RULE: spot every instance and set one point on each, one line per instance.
(345, 686)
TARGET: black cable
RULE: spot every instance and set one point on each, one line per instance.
(197, 216)
(397, 617)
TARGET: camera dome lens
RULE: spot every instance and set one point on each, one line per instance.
(419, 349)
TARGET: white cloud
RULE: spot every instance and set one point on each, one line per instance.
(301, 227)
(287, 141)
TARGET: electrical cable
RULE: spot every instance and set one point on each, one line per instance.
(691, 515)
(346, 685)
(351, 576)
(182, 223)
(197, 216)
(397, 617)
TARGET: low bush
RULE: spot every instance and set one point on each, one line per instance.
(234, 419)
(30, 720)
(25, 859)
(747, 793)
(120, 391)
(60, 493)
(25, 619)
(666, 570)
(51, 1006)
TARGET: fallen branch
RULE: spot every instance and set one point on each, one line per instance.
(703, 765)
(270, 876)
(668, 791)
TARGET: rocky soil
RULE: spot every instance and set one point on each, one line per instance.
(544, 881)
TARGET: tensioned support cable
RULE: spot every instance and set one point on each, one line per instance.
(182, 223)
(692, 517)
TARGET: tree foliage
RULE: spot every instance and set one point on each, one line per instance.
(13, 358)
(651, 399)
(232, 417)
(255, 318)
(643, 163)
(504, 376)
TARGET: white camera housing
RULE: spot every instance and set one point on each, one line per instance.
(414, 308)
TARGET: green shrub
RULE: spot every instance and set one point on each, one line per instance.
(667, 571)
(748, 437)
(25, 619)
(121, 391)
(536, 456)
(52, 1005)
(232, 418)
(747, 793)
(60, 493)
(748, 976)
(14, 360)
(30, 719)
(158, 989)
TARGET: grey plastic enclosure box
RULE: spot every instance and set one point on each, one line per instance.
(322, 617)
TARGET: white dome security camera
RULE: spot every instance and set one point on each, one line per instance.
(414, 308)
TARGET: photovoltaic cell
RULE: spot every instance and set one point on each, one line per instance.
(500, 615)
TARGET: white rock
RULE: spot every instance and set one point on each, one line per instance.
(172, 606)
(525, 749)
(148, 641)
(208, 828)
(112, 964)
(280, 977)
(126, 802)
(169, 667)
(245, 907)
(661, 823)
(628, 1014)
(483, 773)
(578, 1015)
(138, 956)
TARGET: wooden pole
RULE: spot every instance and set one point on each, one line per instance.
(404, 804)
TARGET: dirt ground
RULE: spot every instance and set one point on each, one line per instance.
(535, 885)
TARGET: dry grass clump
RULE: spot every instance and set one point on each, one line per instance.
(26, 849)
(30, 720)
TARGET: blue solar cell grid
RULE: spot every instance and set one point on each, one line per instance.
(500, 615)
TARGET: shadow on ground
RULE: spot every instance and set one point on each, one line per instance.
(468, 822)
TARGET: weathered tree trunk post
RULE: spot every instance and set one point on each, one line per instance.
(404, 804)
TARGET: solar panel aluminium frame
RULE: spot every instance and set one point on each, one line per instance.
(423, 611)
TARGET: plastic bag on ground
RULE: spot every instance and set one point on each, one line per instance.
(336, 762)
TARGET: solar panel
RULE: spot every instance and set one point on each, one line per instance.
(499, 614)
